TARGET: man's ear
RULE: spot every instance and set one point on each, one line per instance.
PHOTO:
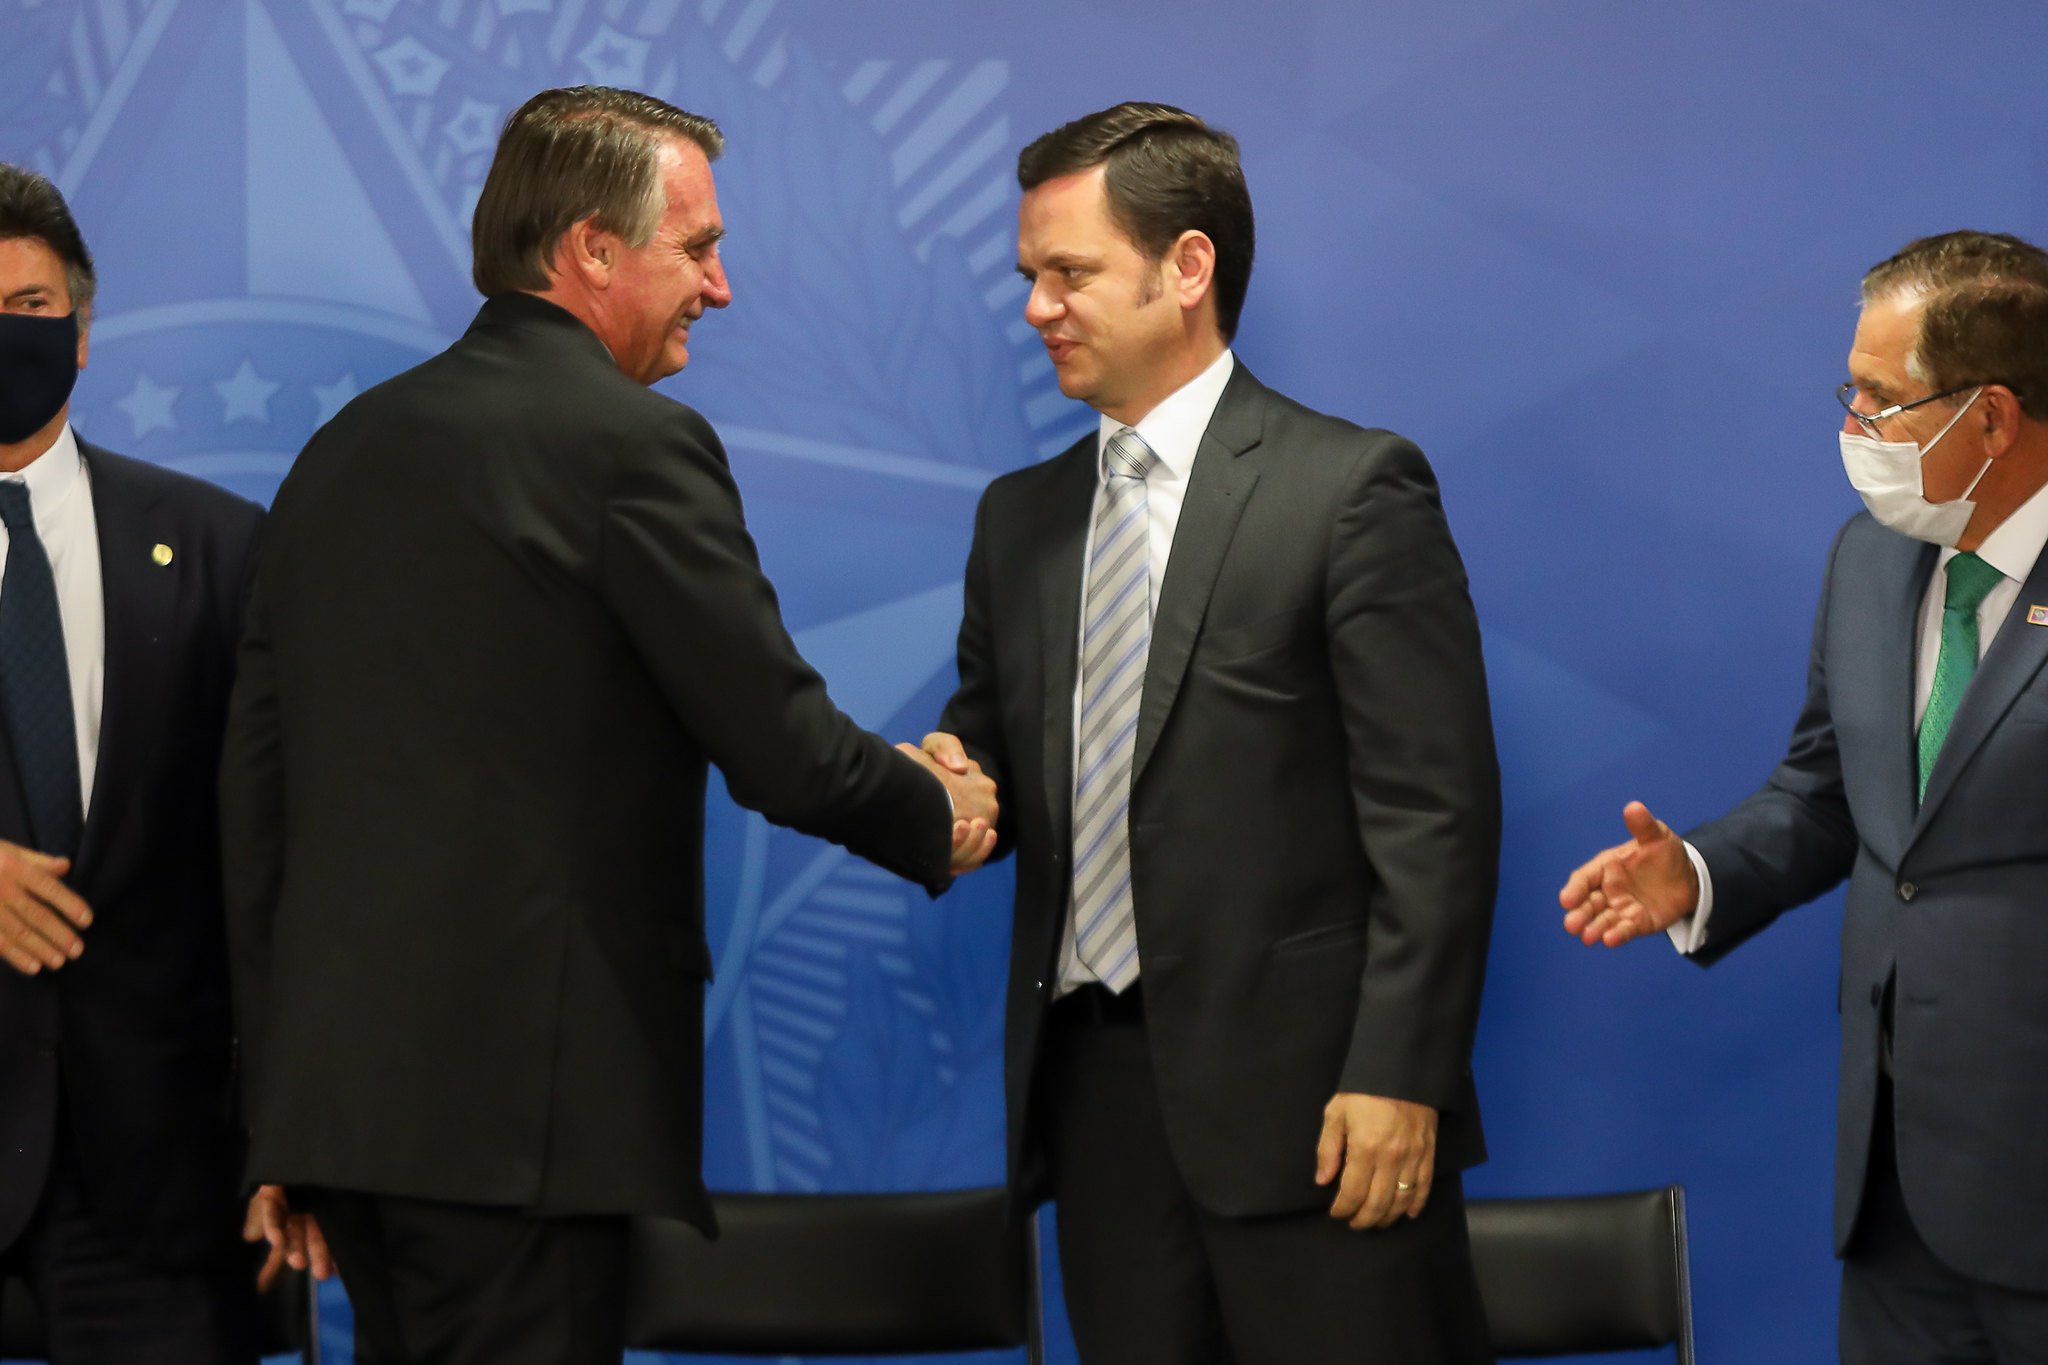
(587, 252)
(1193, 262)
(2001, 415)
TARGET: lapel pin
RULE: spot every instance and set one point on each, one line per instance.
(2037, 616)
(162, 555)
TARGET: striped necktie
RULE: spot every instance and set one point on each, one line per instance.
(1116, 636)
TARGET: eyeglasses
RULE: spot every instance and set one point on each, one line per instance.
(1848, 394)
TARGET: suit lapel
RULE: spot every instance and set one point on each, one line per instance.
(1062, 535)
(140, 598)
(2015, 656)
(1218, 489)
(1899, 583)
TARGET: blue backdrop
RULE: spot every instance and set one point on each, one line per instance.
(1598, 256)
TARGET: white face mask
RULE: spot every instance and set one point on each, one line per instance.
(1888, 475)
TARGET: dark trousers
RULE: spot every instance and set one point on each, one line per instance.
(1902, 1306)
(1152, 1278)
(101, 1305)
(456, 1284)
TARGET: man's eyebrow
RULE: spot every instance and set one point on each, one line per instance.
(706, 238)
(28, 291)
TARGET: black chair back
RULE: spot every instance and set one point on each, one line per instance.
(1586, 1274)
(864, 1274)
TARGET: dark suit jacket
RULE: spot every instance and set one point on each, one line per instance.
(1315, 803)
(138, 1028)
(508, 611)
(1951, 896)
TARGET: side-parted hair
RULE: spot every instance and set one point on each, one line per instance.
(1985, 315)
(30, 206)
(1167, 173)
(586, 151)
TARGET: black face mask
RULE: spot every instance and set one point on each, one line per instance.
(38, 366)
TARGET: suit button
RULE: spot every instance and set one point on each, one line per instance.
(1876, 995)
(1907, 891)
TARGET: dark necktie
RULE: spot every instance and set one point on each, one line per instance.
(1970, 579)
(35, 682)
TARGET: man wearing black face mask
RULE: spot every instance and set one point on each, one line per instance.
(120, 606)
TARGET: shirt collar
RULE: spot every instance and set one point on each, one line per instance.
(2014, 545)
(51, 476)
(1174, 428)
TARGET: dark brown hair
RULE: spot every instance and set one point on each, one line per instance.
(586, 151)
(30, 206)
(1988, 332)
(1953, 258)
(1985, 315)
(1167, 173)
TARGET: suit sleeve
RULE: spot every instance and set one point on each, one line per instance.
(1794, 839)
(975, 712)
(251, 816)
(679, 570)
(1411, 688)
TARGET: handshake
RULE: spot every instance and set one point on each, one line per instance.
(973, 793)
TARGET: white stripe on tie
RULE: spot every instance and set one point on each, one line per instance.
(1117, 636)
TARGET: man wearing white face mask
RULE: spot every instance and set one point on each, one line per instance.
(1918, 771)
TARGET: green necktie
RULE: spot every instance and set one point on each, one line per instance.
(1969, 579)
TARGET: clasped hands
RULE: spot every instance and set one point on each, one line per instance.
(974, 797)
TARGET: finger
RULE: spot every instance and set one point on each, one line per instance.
(48, 862)
(51, 891)
(1611, 927)
(19, 958)
(1355, 1185)
(948, 750)
(1330, 1150)
(266, 1275)
(1377, 1209)
(252, 1221)
(1424, 1180)
(1582, 881)
(1646, 828)
(34, 929)
(962, 831)
(320, 1258)
(295, 1243)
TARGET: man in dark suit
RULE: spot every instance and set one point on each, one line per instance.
(508, 611)
(1916, 772)
(119, 611)
(1220, 657)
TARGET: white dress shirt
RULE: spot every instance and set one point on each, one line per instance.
(1173, 431)
(60, 497)
(2011, 549)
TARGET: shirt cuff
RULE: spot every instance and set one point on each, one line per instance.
(1689, 933)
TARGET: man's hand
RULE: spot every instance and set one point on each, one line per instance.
(974, 798)
(1385, 1150)
(294, 1238)
(1641, 887)
(39, 916)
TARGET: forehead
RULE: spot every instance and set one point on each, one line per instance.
(1068, 211)
(691, 196)
(1885, 335)
(28, 262)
